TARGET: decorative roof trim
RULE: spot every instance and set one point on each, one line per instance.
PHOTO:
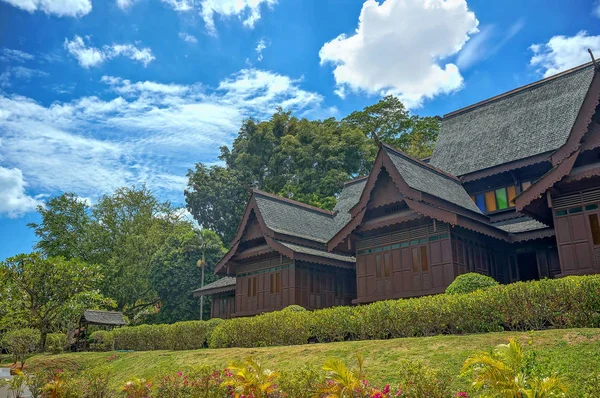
(313, 258)
(293, 202)
(546, 182)
(582, 173)
(421, 163)
(531, 235)
(591, 139)
(515, 91)
(504, 167)
(225, 284)
(582, 122)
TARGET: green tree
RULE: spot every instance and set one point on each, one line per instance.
(47, 289)
(64, 229)
(175, 272)
(392, 123)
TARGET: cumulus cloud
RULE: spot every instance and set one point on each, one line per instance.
(563, 52)
(89, 56)
(398, 49)
(188, 38)
(14, 201)
(61, 8)
(9, 54)
(143, 131)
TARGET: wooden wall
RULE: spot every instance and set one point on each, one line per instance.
(320, 286)
(264, 286)
(407, 263)
(577, 227)
(222, 305)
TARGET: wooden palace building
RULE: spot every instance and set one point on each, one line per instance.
(512, 190)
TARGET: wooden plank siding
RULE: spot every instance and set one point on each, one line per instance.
(576, 221)
(222, 305)
(406, 263)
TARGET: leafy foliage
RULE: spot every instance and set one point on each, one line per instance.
(296, 158)
(508, 372)
(21, 342)
(56, 343)
(251, 379)
(470, 282)
(51, 292)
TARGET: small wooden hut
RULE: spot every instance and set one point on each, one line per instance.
(105, 319)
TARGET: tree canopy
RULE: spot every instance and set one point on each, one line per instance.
(301, 159)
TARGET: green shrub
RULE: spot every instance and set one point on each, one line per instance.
(418, 380)
(471, 282)
(56, 343)
(102, 340)
(21, 342)
(302, 382)
(294, 308)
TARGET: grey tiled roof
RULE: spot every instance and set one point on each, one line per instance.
(424, 178)
(224, 282)
(319, 253)
(518, 225)
(527, 122)
(294, 219)
(104, 317)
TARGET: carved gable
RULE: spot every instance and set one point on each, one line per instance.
(384, 192)
(252, 230)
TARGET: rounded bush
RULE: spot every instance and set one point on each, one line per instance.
(56, 343)
(471, 282)
(102, 340)
(294, 308)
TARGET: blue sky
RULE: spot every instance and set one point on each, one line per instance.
(95, 94)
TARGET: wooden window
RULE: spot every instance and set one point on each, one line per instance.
(272, 283)
(490, 201)
(424, 264)
(501, 199)
(378, 266)
(595, 227)
(278, 282)
(415, 260)
(387, 265)
(249, 287)
(254, 286)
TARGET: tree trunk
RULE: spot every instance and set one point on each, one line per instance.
(202, 297)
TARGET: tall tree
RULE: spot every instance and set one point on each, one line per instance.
(392, 123)
(175, 272)
(49, 291)
(64, 228)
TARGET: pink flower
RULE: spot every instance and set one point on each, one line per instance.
(378, 394)
(386, 389)
(461, 394)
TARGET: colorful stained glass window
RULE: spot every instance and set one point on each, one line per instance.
(511, 191)
(480, 202)
(501, 199)
(490, 201)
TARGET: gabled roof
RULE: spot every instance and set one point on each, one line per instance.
(531, 120)
(225, 284)
(97, 317)
(519, 225)
(425, 178)
(281, 218)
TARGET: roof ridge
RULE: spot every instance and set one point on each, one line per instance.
(423, 164)
(517, 90)
(293, 202)
(357, 179)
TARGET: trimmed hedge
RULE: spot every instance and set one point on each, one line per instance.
(190, 335)
(569, 302)
(470, 282)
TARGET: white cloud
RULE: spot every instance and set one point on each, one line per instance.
(486, 43)
(61, 8)
(92, 56)
(125, 4)
(144, 131)
(248, 10)
(563, 52)
(9, 54)
(14, 201)
(19, 72)
(398, 48)
(260, 46)
(188, 38)
(180, 5)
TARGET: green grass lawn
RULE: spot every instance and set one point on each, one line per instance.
(574, 352)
